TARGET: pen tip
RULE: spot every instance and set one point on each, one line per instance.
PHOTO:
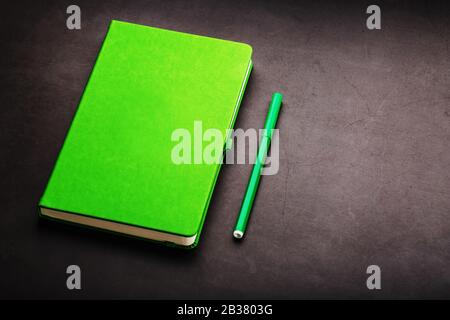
(238, 234)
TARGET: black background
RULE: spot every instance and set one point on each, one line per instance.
(364, 154)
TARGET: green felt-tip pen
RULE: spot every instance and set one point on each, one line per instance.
(253, 182)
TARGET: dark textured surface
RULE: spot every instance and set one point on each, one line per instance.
(365, 154)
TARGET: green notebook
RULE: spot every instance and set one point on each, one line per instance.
(114, 171)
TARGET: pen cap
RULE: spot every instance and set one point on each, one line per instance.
(272, 115)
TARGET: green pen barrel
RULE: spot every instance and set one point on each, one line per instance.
(253, 183)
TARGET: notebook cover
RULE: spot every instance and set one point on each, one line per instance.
(115, 163)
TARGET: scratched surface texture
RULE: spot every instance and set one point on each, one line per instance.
(364, 154)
